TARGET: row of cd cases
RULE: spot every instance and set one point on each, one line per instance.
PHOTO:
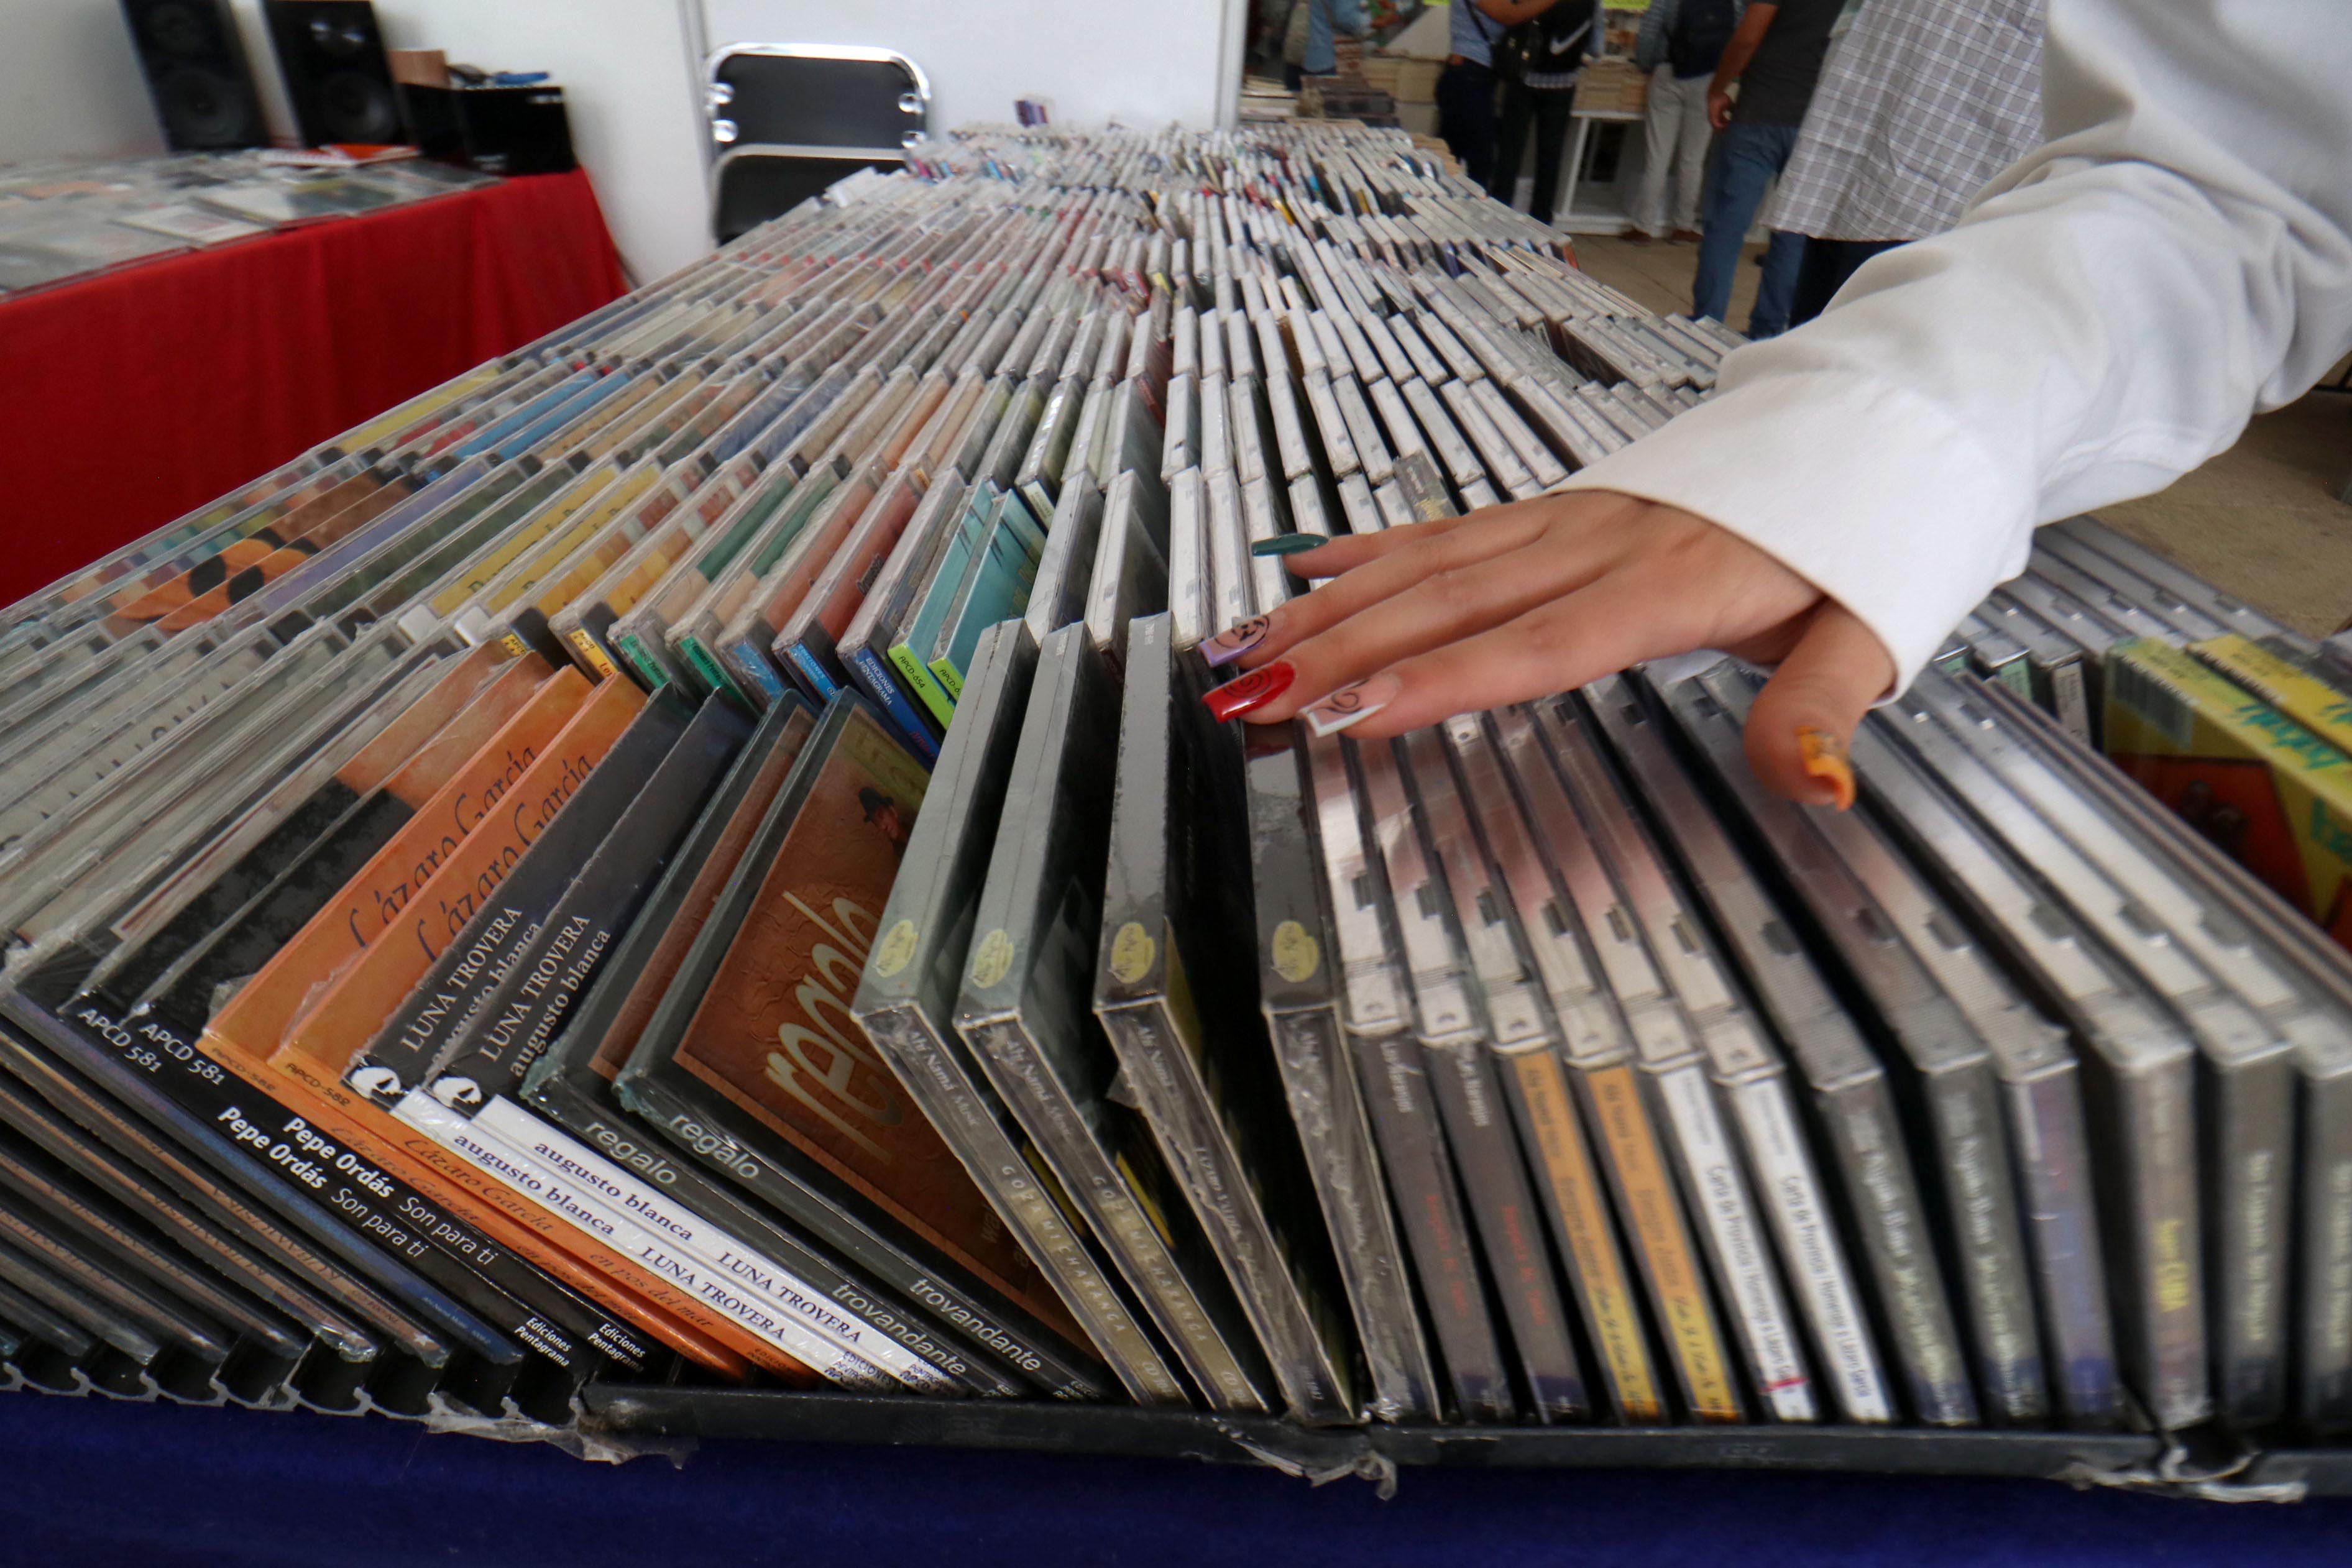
(1814, 1289)
(2003, 1101)
(205, 605)
(299, 555)
(2037, 1099)
(246, 641)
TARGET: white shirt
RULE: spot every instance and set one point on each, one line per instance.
(2107, 316)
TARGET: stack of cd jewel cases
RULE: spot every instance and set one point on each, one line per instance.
(682, 881)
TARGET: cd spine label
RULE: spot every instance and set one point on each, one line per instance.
(1011, 1060)
(1888, 1218)
(1328, 1112)
(2047, 1117)
(388, 1212)
(1536, 1085)
(685, 1125)
(942, 1091)
(519, 1129)
(1404, 1123)
(589, 1203)
(1719, 1194)
(1980, 1209)
(1654, 1218)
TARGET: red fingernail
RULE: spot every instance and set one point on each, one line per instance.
(1255, 690)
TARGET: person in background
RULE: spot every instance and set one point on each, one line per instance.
(1306, 42)
(1541, 58)
(1774, 55)
(1921, 103)
(1680, 43)
(1465, 88)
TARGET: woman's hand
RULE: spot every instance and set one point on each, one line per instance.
(1515, 602)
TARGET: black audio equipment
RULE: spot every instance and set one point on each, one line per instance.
(497, 130)
(195, 69)
(331, 54)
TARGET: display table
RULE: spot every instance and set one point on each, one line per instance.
(167, 1487)
(1571, 221)
(128, 398)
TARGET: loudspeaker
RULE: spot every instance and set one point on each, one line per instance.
(331, 54)
(195, 69)
(497, 130)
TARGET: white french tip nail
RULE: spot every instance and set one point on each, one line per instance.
(1350, 705)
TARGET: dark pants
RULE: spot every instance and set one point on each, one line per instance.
(1548, 109)
(1293, 75)
(1828, 264)
(1746, 158)
(1465, 117)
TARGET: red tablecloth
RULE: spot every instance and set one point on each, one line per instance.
(130, 398)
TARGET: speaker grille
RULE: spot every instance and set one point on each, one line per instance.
(355, 107)
(201, 107)
(177, 28)
(196, 72)
(332, 52)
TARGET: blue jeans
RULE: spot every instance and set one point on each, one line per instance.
(1746, 157)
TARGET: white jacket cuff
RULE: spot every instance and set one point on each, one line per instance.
(1865, 489)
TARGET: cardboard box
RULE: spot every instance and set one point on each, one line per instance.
(418, 68)
(2272, 794)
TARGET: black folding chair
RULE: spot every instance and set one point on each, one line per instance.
(791, 119)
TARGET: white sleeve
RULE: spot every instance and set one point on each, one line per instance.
(2107, 316)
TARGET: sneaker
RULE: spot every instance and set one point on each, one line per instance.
(1639, 236)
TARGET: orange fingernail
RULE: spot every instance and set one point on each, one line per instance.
(1824, 757)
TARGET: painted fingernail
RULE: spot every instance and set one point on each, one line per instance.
(1254, 690)
(1824, 758)
(1234, 641)
(1350, 704)
(1287, 544)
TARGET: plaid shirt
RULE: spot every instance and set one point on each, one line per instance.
(1920, 104)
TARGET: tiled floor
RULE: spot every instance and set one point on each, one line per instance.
(1659, 273)
(2263, 521)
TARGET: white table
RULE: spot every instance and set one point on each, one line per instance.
(1565, 218)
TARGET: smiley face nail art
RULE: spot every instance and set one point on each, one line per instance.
(1234, 641)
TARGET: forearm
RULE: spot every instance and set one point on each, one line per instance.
(1745, 39)
(2107, 318)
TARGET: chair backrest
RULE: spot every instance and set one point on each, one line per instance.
(791, 119)
(752, 185)
(816, 95)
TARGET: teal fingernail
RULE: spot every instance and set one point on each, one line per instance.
(1287, 544)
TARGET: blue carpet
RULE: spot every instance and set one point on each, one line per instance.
(92, 1483)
